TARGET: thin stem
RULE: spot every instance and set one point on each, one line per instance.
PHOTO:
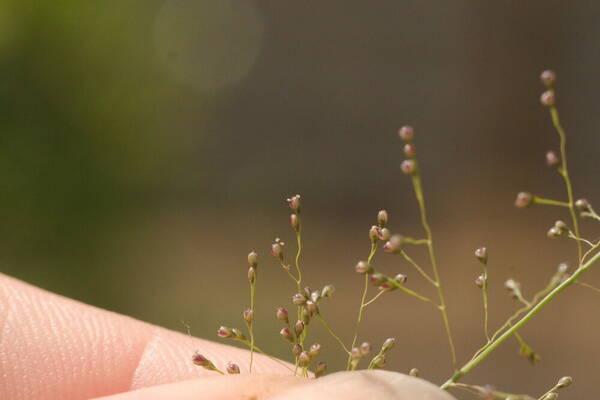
(484, 291)
(418, 268)
(587, 285)
(492, 394)
(332, 333)
(595, 247)
(362, 300)
(258, 349)
(534, 310)
(414, 294)
(420, 199)
(549, 202)
(251, 324)
(409, 240)
(374, 298)
(572, 236)
(564, 172)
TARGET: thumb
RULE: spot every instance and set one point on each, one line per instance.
(381, 385)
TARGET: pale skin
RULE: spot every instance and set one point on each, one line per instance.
(52, 347)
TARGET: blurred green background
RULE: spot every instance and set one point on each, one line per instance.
(147, 146)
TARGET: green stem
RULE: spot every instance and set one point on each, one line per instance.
(518, 325)
(332, 333)
(418, 267)
(549, 202)
(362, 301)
(251, 324)
(420, 199)
(564, 172)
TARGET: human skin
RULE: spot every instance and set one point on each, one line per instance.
(52, 347)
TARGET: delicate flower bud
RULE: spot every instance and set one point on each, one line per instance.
(232, 368)
(251, 274)
(524, 199)
(312, 306)
(548, 98)
(583, 205)
(253, 259)
(295, 222)
(548, 77)
(315, 296)
(561, 226)
(552, 159)
(294, 203)
(401, 279)
(248, 316)
(328, 291)
(355, 353)
(564, 382)
(365, 348)
(406, 133)
(304, 359)
(298, 299)
(378, 362)
(553, 232)
(277, 250)
(286, 334)
(374, 233)
(409, 167)
(393, 245)
(377, 279)
(414, 372)
(482, 255)
(382, 218)
(388, 344)
(480, 281)
(562, 268)
(511, 284)
(384, 234)
(320, 369)
(363, 268)
(201, 361)
(299, 328)
(296, 349)
(224, 332)
(410, 150)
(282, 314)
(387, 285)
(315, 349)
(237, 334)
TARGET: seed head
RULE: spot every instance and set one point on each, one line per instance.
(524, 199)
(201, 361)
(286, 334)
(414, 372)
(298, 328)
(409, 167)
(294, 203)
(312, 306)
(299, 299)
(562, 268)
(561, 226)
(410, 150)
(277, 250)
(401, 279)
(482, 255)
(374, 233)
(553, 232)
(365, 348)
(282, 314)
(512, 285)
(406, 133)
(480, 281)
(328, 291)
(393, 245)
(296, 349)
(552, 159)
(388, 344)
(564, 382)
(315, 296)
(224, 332)
(355, 353)
(548, 77)
(548, 98)
(232, 368)
(295, 222)
(583, 205)
(384, 234)
(304, 359)
(315, 349)
(320, 369)
(253, 259)
(363, 268)
(377, 279)
(248, 316)
(382, 218)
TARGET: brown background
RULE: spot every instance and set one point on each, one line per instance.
(147, 146)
